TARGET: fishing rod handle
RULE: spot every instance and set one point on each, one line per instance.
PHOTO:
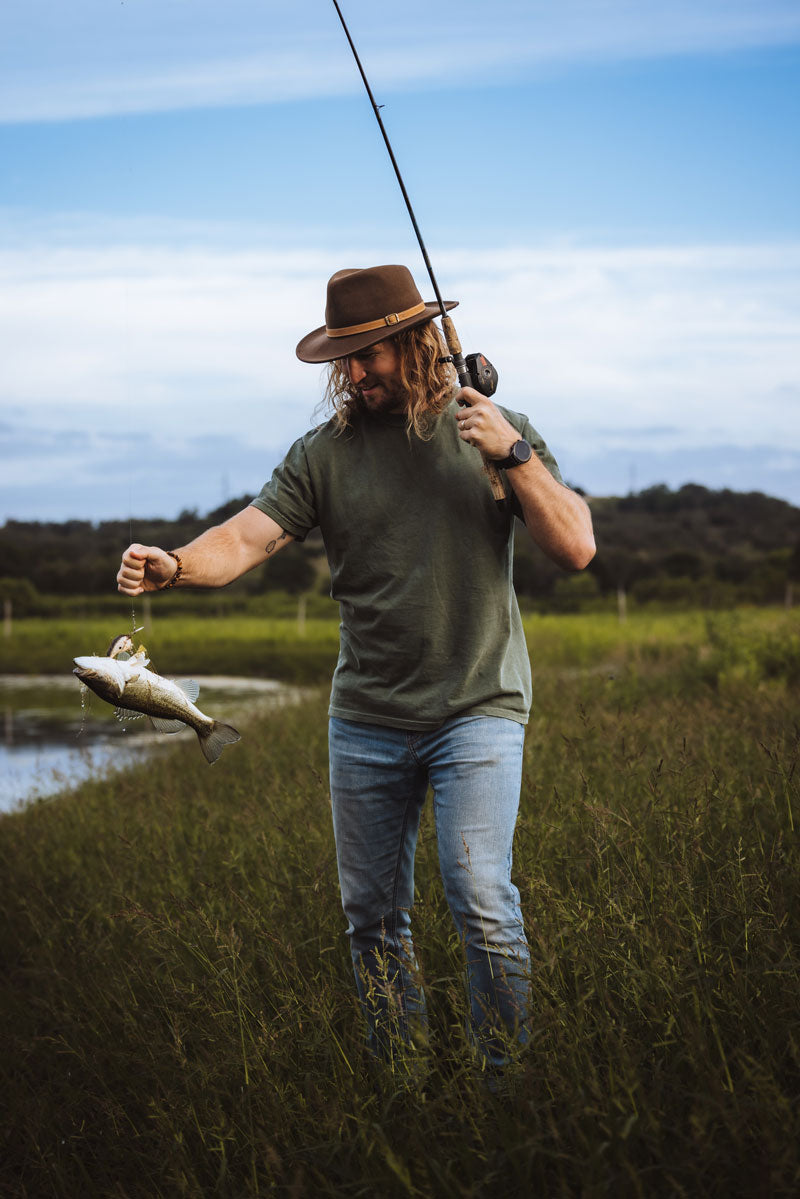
(454, 346)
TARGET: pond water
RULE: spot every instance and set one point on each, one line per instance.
(53, 737)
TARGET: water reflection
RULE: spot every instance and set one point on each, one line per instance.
(51, 740)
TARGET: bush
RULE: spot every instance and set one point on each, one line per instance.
(21, 594)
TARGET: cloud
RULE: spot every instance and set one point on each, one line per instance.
(152, 330)
(701, 337)
(115, 353)
(102, 59)
(105, 474)
(635, 465)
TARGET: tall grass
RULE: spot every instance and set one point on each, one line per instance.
(177, 987)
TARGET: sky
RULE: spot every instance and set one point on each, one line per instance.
(609, 188)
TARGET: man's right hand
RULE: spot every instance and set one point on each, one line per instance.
(144, 568)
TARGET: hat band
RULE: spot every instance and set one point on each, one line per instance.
(393, 318)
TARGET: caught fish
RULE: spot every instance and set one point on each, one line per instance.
(122, 678)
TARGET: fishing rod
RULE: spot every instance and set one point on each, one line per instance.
(475, 370)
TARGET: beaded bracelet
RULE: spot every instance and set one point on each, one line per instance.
(177, 574)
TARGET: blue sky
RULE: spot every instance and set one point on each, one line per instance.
(610, 189)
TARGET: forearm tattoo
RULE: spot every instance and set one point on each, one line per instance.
(271, 546)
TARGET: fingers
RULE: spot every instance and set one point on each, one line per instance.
(143, 568)
(472, 422)
(136, 555)
(468, 396)
(130, 576)
(483, 425)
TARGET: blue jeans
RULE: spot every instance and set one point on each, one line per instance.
(379, 780)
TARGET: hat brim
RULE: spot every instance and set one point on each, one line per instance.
(319, 347)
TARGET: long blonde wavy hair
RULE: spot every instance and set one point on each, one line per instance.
(427, 381)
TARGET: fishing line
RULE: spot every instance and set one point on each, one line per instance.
(376, 108)
(475, 371)
(130, 542)
(130, 442)
(130, 504)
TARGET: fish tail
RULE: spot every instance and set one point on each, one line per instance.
(214, 740)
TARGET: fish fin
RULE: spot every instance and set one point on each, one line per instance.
(127, 714)
(166, 726)
(189, 687)
(218, 736)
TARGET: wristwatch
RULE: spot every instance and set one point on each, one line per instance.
(520, 452)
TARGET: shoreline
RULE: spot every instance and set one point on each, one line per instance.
(44, 757)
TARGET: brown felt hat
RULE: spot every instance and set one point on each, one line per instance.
(366, 306)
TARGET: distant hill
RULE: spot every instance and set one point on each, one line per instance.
(692, 544)
(79, 557)
(689, 545)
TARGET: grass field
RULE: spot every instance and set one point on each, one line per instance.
(272, 648)
(182, 644)
(176, 986)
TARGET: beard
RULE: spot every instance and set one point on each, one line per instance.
(384, 397)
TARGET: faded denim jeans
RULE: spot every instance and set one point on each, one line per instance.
(379, 780)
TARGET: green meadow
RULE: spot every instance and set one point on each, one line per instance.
(265, 646)
(178, 1009)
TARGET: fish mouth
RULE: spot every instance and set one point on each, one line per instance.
(85, 676)
(104, 686)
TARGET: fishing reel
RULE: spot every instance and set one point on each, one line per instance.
(482, 375)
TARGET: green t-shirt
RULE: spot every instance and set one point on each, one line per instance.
(421, 564)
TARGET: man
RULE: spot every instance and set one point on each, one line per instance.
(433, 681)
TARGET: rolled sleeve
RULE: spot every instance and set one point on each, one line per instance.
(289, 497)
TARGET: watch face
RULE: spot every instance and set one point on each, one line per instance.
(521, 452)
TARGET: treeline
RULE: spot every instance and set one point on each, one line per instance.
(78, 558)
(690, 546)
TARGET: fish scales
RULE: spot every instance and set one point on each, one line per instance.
(169, 703)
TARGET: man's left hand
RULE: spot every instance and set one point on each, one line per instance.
(482, 424)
